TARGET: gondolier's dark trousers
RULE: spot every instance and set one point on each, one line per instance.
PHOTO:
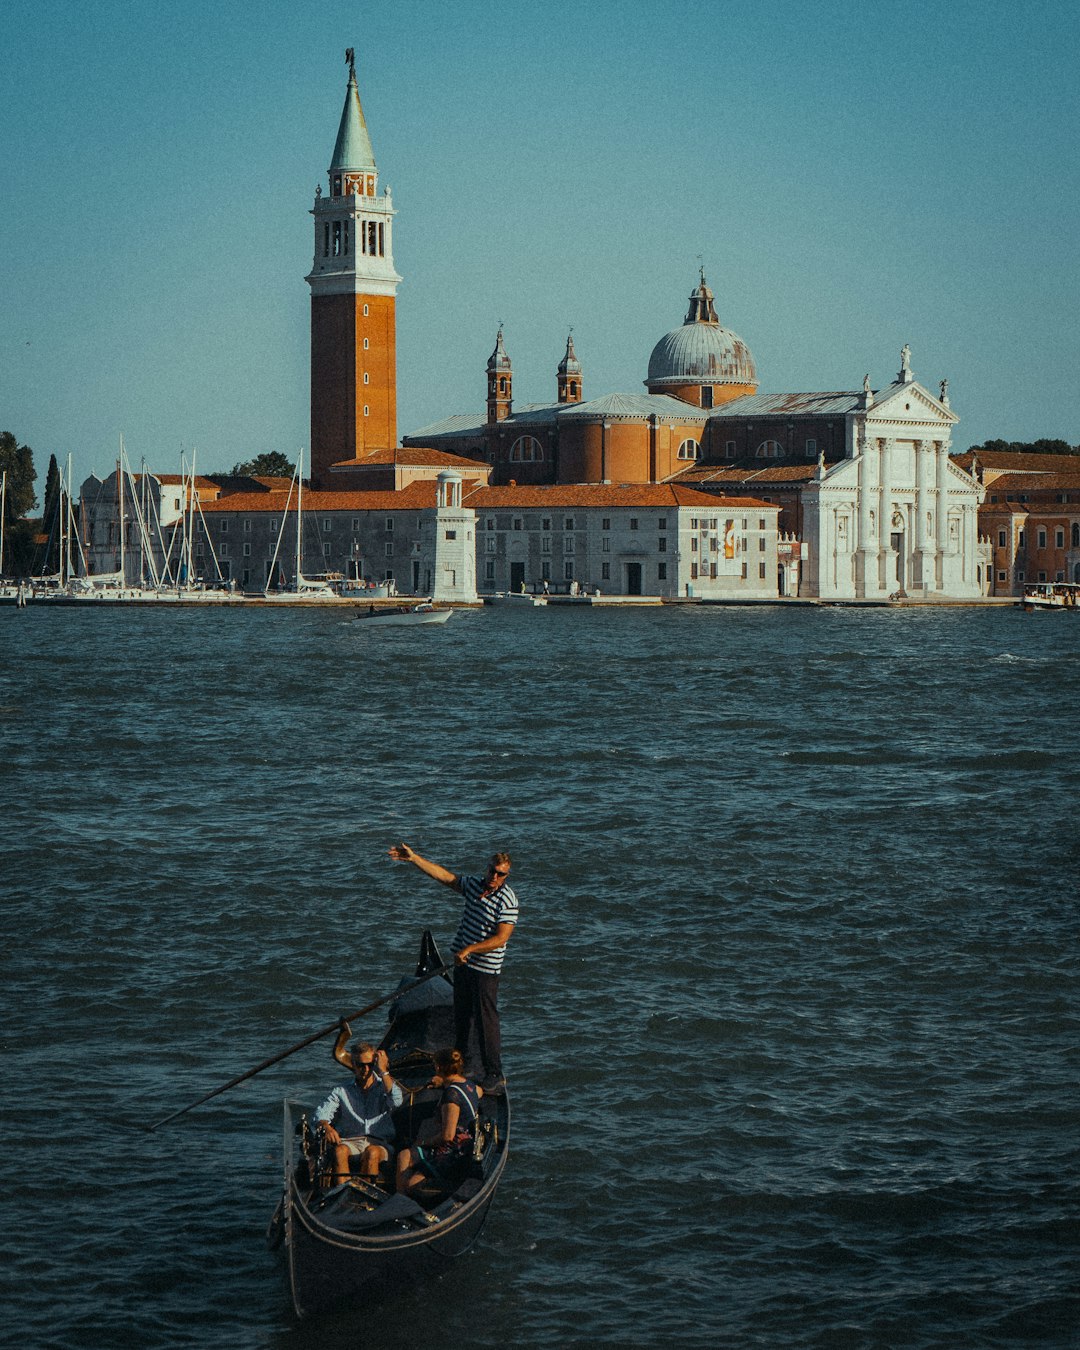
(476, 1004)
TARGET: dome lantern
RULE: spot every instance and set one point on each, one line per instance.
(702, 362)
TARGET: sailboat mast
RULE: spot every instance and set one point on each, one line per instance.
(120, 510)
(299, 513)
(3, 516)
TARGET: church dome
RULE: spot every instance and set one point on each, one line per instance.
(701, 352)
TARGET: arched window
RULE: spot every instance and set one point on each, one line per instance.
(689, 449)
(526, 450)
(769, 450)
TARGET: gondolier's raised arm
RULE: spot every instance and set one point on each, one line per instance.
(403, 853)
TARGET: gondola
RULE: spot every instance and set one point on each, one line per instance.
(358, 1242)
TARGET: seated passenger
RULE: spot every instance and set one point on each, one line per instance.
(355, 1120)
(445, 1143)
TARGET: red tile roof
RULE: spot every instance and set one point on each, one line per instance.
(408, 456)
(559, 495)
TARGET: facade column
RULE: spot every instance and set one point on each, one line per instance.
(924, 544)
(865, 567)
(885, 569)
(941, 520)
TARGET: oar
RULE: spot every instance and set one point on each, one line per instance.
(315, 1036)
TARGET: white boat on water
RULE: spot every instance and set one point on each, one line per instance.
(517, 599)
(1051, 595)
(403, 615)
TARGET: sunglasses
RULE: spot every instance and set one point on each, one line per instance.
(496, 872)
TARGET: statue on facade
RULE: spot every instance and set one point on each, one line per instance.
(350, 57)
(905, 362)
(945, 392)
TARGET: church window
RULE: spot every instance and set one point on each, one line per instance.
(605, 523)
(605, 571)
(223, 550)
(545, 522)
(661, 544)
(633, 522)
(568, 571)
(545, 543)
(489, 571)
(247, 524)
(568, 543)
(761, 571)
(769, 450)
(689, 449)
(1002, 576)
(605, 545)
(502, 384)
(356, 525)
(518, 523)
(371, 237)
(526, 450)
(1076, 536)
(380, 239)
(326, 550)
(389, 524)
(365, 311)
(366, 410)
(568, 523)
(661, 571)
(693, 544)
(337, 239)
(451, 534)
(661, 523)
(744, 573)
(366, 344)
(247, 550)
(693, 571)
(811, 447)
(345, 236)
(706, 396)
(761, 544)
(1059, 537)
(327, 525)
(326, 240)
(363, 235)
(1001, 539)
(367, 377)
(224, 527)
(389, 549)
(492, 543)
(1042, 541)
(1020, 540)
(729, 450)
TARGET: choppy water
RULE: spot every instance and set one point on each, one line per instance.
(791, 1016)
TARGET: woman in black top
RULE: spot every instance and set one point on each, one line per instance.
(445, 1143)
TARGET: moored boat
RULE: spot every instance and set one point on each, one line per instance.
(516, 599)
(404, 615)
(358, 1241)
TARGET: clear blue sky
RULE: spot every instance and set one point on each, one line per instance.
(852, 178)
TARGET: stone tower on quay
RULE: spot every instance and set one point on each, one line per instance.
(353, 288)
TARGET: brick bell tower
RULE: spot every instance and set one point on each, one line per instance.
(353, 285)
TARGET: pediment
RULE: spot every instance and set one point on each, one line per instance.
(910, 403)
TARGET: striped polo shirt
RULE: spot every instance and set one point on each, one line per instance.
(480, 918)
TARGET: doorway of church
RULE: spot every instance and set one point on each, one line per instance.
(633, 579)
(897, 542)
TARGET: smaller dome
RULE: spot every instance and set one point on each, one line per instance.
(498, 360)
(701, 351)
(570, 365)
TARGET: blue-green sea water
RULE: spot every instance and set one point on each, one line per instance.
(791, 1018)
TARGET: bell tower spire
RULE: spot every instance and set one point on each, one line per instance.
(500, 381)
(353, 289)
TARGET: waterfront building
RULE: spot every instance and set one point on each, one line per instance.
(1030, 515)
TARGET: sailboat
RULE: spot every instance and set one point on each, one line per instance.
(312, 589)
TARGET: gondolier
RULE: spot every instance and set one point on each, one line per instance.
(487, 924)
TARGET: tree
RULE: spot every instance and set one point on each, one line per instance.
(50, 518)
(270, 464)
(1042, 447)
(18, 461)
